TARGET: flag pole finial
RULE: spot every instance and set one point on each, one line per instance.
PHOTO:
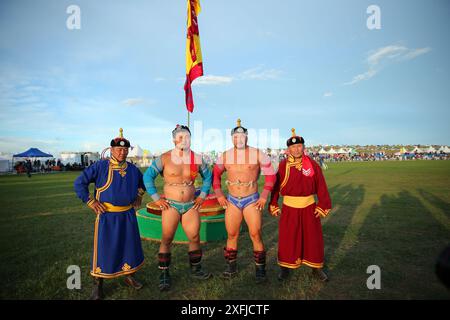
(293, 132)
(238, 122)
(121, 132)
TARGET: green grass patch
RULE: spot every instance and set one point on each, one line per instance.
(392, 214)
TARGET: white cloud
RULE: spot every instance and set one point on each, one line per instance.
(415, 53)
(133, 101)
(258, 73)
(212, 80)
(384, 55)
(327, 94)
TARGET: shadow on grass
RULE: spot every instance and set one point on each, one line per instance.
(400, 236)
(436, 201)
(348, 198)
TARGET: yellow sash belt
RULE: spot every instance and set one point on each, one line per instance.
(298, 202)
(112, 208)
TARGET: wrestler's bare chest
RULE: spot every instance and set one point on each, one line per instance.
(241, 168)
(241, 163)
(174, 171)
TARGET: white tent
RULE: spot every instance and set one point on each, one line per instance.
(417, 150)
(430, 149)
(5, 164)
(444, 149)
(322, 151)
(342, 151)
(331, 151)
(136, 151)
(78, 157)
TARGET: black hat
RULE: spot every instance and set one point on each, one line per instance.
(120, 141)
(295, 139)
(239, 128)
(180, 128)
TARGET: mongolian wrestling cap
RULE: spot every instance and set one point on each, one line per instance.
(120, 141)
(239, 128)
(180, 128)
(295, 139)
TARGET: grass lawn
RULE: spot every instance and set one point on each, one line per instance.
(392, 214)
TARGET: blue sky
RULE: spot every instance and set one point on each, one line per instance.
(312, 65)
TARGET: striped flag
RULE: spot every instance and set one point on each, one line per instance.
(194, 65)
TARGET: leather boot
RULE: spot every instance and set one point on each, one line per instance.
(284, 273)
(231, 258)
(97, 290)
(319, 274)
(260, 272)
(164, 280)
(132, 282)
(197, 272)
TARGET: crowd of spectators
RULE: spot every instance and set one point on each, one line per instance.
(379, 156)
(49, 165)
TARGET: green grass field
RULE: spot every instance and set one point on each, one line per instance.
(392, 214)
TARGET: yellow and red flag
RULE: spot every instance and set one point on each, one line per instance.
(194, 65)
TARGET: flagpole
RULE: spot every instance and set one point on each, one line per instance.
(189, 116)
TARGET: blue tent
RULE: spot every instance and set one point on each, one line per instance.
(32, 153)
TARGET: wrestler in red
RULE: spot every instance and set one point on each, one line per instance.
(299, 178)
(243, 164)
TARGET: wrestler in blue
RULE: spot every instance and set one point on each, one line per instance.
(179, 167)
(119, 188)
(243, 165)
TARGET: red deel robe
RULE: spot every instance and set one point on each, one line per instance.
(300, 231)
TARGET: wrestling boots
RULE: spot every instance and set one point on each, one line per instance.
(231, 258)
(197, 272)
(260, 266)
(164, 278)
(284, 274)
(97, 291)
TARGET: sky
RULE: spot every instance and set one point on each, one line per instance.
(310, 65)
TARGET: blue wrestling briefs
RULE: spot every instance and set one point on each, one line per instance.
(181, 207)
(242, 202)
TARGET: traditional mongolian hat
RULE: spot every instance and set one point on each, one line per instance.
(239, 128)
(120, 141)
(295, 139)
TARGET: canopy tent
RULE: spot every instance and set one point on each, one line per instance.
(417, 150)
(332, 151)
(403, 150)
(322, 151)
(342, 151)
(33, 153)
(5, 164)
(444, 149)
(430, 149)
(136, 151)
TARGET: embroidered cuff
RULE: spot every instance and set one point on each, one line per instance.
(90, 202)
(323, 213)
(274, 209)
(141, 192)
(155, 197)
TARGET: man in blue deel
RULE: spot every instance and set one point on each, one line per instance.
(119, 189)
